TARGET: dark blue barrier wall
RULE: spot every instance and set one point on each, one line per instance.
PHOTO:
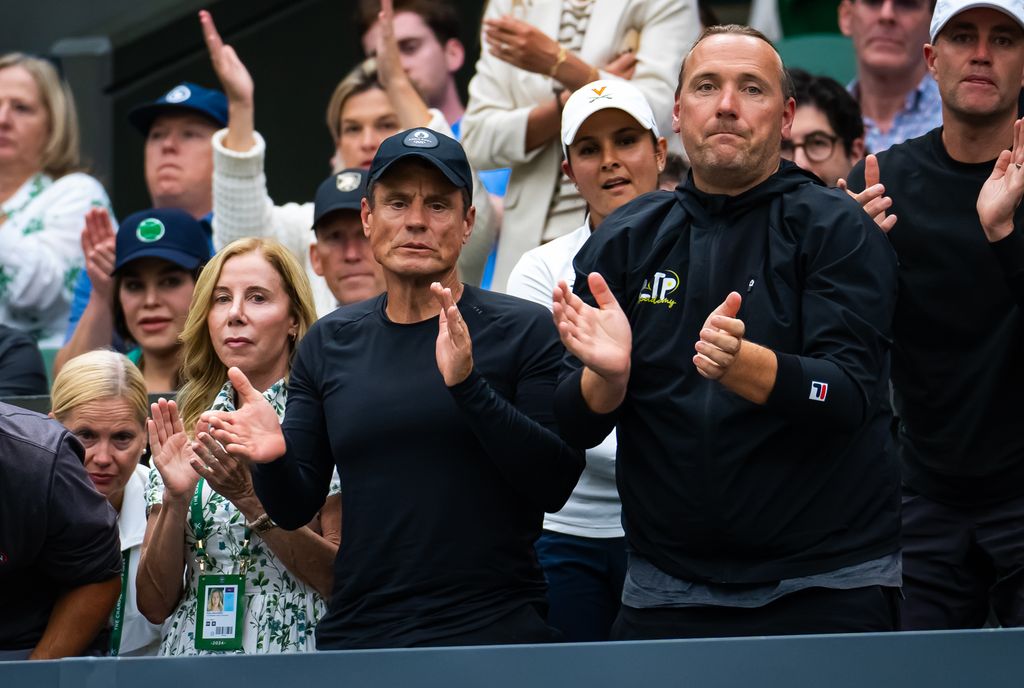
(930, 660)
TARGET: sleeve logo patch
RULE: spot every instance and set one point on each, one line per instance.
(819, 390)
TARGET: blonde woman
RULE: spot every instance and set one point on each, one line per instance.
(251, 306)
(100, 396)
(43, 198)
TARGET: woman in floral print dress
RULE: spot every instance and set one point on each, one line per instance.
(43, 198)
(251, 306)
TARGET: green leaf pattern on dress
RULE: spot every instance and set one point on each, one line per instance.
(281, 611)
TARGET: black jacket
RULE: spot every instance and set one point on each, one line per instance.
(713, 486)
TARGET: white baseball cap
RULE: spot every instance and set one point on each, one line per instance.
(947, 9)
(601, 95)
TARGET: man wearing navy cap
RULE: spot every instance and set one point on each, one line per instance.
(439, 417)
(178, 127)
(178, 165)
(341, 253)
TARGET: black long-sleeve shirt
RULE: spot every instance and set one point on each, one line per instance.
(958, 366)
(443, 490)
(715, 487)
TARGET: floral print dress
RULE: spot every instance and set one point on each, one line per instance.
(281, 612)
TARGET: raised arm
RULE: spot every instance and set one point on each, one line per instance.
(242, 206)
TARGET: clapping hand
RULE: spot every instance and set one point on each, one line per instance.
(720, 339)
(454, 348)
(601, 337)
(873, 199)
(1002, 192)
(99, 242)
(172, 452)
(253, 432)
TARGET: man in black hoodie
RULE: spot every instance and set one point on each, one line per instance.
(758, 488)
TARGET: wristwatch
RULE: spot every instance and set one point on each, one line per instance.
(261, 524)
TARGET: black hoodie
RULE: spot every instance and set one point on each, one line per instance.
(714, 487)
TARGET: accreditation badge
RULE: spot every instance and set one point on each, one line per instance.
(220, 616)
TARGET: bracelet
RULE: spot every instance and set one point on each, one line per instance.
(563, 53)
(261, 524)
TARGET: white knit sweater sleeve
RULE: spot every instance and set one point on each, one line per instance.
(243, 208)
(473, 258)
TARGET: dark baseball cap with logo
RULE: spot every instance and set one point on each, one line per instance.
(443, 152)
(185, 97)
(341, 191)
(166, 233)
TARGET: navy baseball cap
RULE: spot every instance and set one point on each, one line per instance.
(443, 152)
(166, 233)
(342, 191)
(185, 97)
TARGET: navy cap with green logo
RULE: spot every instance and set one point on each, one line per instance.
(185, 97)
(341, 191)
(166, 233)
(443, 152)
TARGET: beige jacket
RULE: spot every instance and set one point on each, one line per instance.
(501, 97)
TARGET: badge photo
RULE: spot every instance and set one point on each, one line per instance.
(220, 614)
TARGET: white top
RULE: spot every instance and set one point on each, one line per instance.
(138, 636)
(501, 98)
(242, 207)
(593, 509)
(41, 252)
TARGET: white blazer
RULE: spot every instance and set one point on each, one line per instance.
(501, 97)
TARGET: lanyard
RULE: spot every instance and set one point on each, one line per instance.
(118, 625)
(199, 528)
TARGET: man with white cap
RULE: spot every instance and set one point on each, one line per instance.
(759, 494)
(958, 330)
(613, 153)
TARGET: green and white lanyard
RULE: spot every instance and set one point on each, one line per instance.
(118, 624)
(220, 604)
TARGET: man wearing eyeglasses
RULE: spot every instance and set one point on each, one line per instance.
(898, 97)
(828, 134)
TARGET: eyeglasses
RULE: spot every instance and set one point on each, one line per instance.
(817, 147)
